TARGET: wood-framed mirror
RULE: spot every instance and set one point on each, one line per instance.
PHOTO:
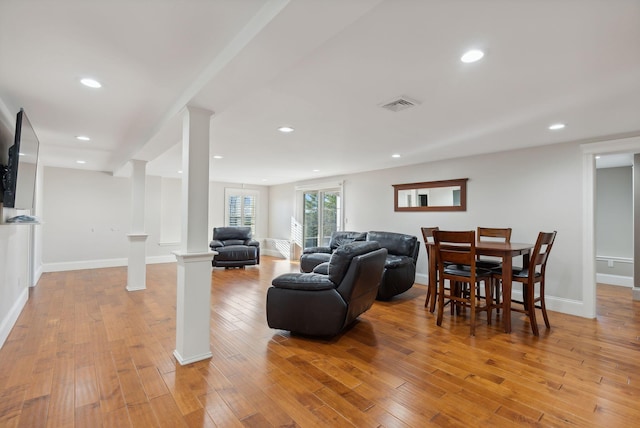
(444, 195)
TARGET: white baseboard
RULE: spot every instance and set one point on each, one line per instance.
(192, 359)
(272, 253)
(106, 263)
(422, 278)
(10, 320)
(624, 281)
(36, 276)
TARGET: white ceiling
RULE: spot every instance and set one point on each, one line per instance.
(322, 67)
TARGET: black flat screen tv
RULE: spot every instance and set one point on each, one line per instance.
(19, 179)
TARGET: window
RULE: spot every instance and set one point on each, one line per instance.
(318, 213)
(240, 208)
(321, 217)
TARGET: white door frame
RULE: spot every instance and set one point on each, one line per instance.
(589, 152)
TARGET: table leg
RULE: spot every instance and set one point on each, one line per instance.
(507, 270)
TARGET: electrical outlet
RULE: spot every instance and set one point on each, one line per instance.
(610, 263)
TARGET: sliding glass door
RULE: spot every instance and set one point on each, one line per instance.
(321, 216)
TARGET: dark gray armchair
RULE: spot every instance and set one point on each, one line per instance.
(323, 305)
(235, 247)
(313, 256)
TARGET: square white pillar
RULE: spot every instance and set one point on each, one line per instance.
(137, 268)
(193, 307)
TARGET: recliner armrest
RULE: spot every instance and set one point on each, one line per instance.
(303, 281)
(252, 243)
(310, 250)
(215, 244)
(322, 268)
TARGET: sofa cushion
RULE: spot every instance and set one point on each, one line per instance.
(303, 281)
(236, 253)
(230, 242)
(344, 237)
(231, 232)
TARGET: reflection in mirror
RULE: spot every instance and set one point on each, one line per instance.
(445, 195)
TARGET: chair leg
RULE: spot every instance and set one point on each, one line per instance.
(543, 306)
(472, 300)
(426, 301)
(496, 288)
(531, 307)
(488, 285)
(440, 301)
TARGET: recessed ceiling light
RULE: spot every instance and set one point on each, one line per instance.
(180, 172)
(217, 157)
(263, 180)
(83, 138)
(395, 155)
(316, 170)
(285, 129)
(597, 157)
(81, 161)
(556, 126)
(472, 56)
(91, 83)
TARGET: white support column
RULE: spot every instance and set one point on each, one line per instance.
(137, 267)
(193, 312)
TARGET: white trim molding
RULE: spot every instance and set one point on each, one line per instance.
(10, 320)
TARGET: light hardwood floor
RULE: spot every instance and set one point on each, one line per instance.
(87, 353)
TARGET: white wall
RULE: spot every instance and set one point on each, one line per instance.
(614, 212)
(528, 190)
(614, 225)
(87, 216)
(15, 275)
(216, 207)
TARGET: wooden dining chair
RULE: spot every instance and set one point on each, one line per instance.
(529, 275)
(427, 237)
(498, 235)
(492, 234)
(456, 255)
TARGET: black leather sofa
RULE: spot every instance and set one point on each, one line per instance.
(400, 266)
(319, 304)
(235, 247)
(313, 256)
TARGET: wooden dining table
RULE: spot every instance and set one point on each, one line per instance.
(504, 250)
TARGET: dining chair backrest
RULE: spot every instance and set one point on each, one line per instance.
(427, 234)
(493, 232)
(540, 253)
(427, 237)
(455, 247)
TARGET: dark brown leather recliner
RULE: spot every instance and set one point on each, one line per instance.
(235, 247)
(322, 305)
(313, 256)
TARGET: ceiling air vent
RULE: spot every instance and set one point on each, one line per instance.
(400, 103)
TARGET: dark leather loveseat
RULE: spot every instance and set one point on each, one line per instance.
(235, 247)
(400, 265)
(323, 304)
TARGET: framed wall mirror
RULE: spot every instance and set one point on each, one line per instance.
(444, 195)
